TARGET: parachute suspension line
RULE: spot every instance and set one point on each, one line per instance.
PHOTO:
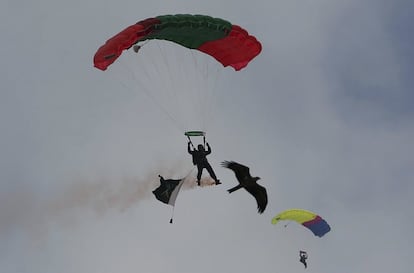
(208, 73)
(189, 139)
(201, 65)
(163, 109)
(157, 65)
(207, 94)
(147, 91)
(203, 68)
(172, 90)
(138, 46)
(141, 44)
(212, 106)
(169, 69)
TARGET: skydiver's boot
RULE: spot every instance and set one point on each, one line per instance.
(218, 182)
(198, 182)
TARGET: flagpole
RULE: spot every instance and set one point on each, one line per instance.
(172, 215)
(185, 177)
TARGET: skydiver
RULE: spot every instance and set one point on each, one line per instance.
(303, 256)
(200, 160)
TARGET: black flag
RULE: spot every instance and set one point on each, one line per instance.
(168, 190)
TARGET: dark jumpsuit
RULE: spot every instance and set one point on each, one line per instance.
(200, 160)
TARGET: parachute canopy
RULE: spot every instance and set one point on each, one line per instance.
(229, 44)
(312, 221)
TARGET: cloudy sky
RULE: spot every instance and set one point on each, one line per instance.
(324, 115)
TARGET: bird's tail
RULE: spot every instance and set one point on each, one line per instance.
(234, 188)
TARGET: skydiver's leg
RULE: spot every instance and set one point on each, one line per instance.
(211, 172)
(199, 173)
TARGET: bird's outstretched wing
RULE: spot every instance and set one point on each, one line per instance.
(248, 182)
(260, 194)
(242, 172)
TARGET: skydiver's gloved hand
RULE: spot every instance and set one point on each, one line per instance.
(208, 145)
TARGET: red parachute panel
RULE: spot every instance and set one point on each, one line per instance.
(113, 48)
(235, 50)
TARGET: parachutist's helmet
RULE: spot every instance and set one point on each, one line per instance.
(200, 147)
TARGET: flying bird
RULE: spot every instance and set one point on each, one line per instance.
(247, 182)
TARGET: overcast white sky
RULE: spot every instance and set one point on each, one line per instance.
(324, 115)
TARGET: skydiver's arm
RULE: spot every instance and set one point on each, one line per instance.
(208, 149)
(189, 148)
